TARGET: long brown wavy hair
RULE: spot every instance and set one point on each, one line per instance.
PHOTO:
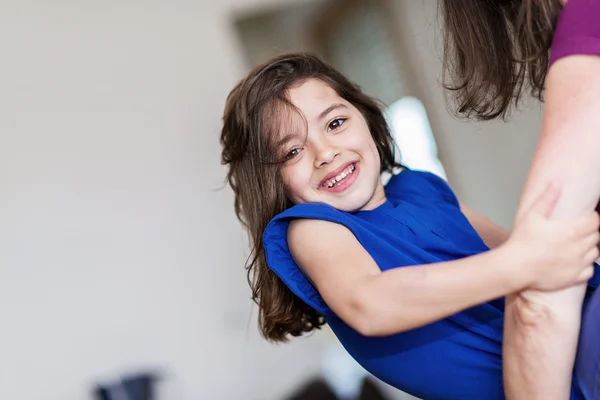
(494, 50)
(255, 110)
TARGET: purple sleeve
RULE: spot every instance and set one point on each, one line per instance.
(578, 29)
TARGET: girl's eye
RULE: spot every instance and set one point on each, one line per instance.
(335, 124)
(293, 153)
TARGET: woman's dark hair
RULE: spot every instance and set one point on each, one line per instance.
(494, 50)
(255, 111)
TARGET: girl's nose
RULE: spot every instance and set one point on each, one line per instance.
(325, 154)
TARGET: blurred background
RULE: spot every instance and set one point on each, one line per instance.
(120, 254)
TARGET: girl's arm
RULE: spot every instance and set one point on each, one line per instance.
(380, 303)
(376, 303)
(541, 329)
(492, 234)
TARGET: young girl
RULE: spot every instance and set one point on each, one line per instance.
(402, 273)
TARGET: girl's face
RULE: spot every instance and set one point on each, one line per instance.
(336, 162)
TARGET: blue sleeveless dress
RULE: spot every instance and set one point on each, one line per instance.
(457, 358)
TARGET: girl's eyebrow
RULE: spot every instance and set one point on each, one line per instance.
(330, 109)
(284, 140)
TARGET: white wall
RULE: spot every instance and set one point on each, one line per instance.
(269, 32)
(117, 251)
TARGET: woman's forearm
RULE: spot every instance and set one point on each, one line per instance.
(541, 329)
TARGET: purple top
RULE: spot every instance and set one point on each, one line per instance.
(578, 29)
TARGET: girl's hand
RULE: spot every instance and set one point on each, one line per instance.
(554, 254)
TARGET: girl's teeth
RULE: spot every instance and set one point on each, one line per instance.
(341, 176)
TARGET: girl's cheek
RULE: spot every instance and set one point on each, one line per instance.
(294, 185)
(288, 178)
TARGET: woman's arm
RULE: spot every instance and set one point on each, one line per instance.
(492, 234)
(541, 329)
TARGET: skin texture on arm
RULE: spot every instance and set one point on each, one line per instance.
(541, 328)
